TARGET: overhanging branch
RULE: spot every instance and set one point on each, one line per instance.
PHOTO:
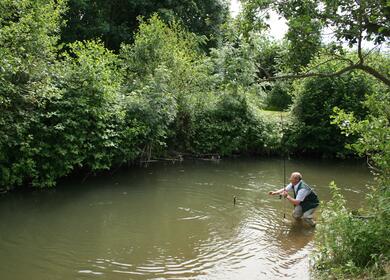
(359, 66)
(375, 73)
(309, 74)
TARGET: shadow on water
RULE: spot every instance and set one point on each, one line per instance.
(168, 222)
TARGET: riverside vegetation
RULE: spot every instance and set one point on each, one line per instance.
(90, 95)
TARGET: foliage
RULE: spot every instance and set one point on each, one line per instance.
(270, 61)
(278, 97)
(254, 15)
(90, 109)
(270, 56)
(28, 36)
(115, 22)
(78, 122)
(81, 106)
(351, 19)
(232, 126)
(245, 59)
(373, 132)
(314, 99)
(356, 244)
(350, 245)
(304, 32)
(234, 65)
(80, 126)
(165, 77)
(157, 43)
(304, 29)
(230, 121)
(340, 21)
(356, 23)
(154, 108)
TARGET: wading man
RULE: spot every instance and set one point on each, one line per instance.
(305, 200)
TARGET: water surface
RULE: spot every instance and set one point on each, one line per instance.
(169, 221)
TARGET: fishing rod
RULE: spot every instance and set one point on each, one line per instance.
(284, 186)
(284, 167)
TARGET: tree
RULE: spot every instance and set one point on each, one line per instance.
(304, 32)
(116, 21)
(346, 22)
(162, 81)
(303, 35)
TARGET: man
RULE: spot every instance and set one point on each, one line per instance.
(305, 200)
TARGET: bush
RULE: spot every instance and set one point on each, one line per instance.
(163, 80)
(350, 245)
(357, 245)
(80, 122)
(314, 100)
(278, 97)
(28, 37)
(231, 126)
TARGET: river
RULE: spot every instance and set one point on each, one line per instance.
(169, 221)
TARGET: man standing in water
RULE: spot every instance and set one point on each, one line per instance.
(305, 200)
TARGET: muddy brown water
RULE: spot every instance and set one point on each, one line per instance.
(169, 221)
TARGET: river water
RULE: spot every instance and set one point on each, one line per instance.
(169, 221)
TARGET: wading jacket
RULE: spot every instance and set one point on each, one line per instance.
(310, 201)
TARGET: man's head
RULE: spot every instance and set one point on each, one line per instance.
(295, 178)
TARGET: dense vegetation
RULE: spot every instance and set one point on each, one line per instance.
(86, 86)
(84, 107)
(115, 22)
(352, 243)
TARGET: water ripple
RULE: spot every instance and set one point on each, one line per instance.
(174, 223)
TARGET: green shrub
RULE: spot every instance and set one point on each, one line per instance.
(357, 245)
(231, 126)
(162, 79)
(373, 133)
(153, 108)
(314, 100)
(349, 244)
(79, 125)
(278, 97)
(28, 36)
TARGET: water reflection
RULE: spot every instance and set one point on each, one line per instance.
(168, 222)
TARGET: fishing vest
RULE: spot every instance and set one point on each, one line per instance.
(310, 201)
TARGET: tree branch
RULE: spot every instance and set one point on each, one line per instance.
(365, 68)
(265, 71)
(360, 38)
(370, 51)
(375, 73)
(359, 50)
(344, 58)
(310, 74)
(322, 63)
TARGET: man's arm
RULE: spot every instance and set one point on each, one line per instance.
(287, 188)
(276, 192)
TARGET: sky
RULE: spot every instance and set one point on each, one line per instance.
(278, 27)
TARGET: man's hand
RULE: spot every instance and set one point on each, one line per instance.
(271, 193)
(284, 193)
